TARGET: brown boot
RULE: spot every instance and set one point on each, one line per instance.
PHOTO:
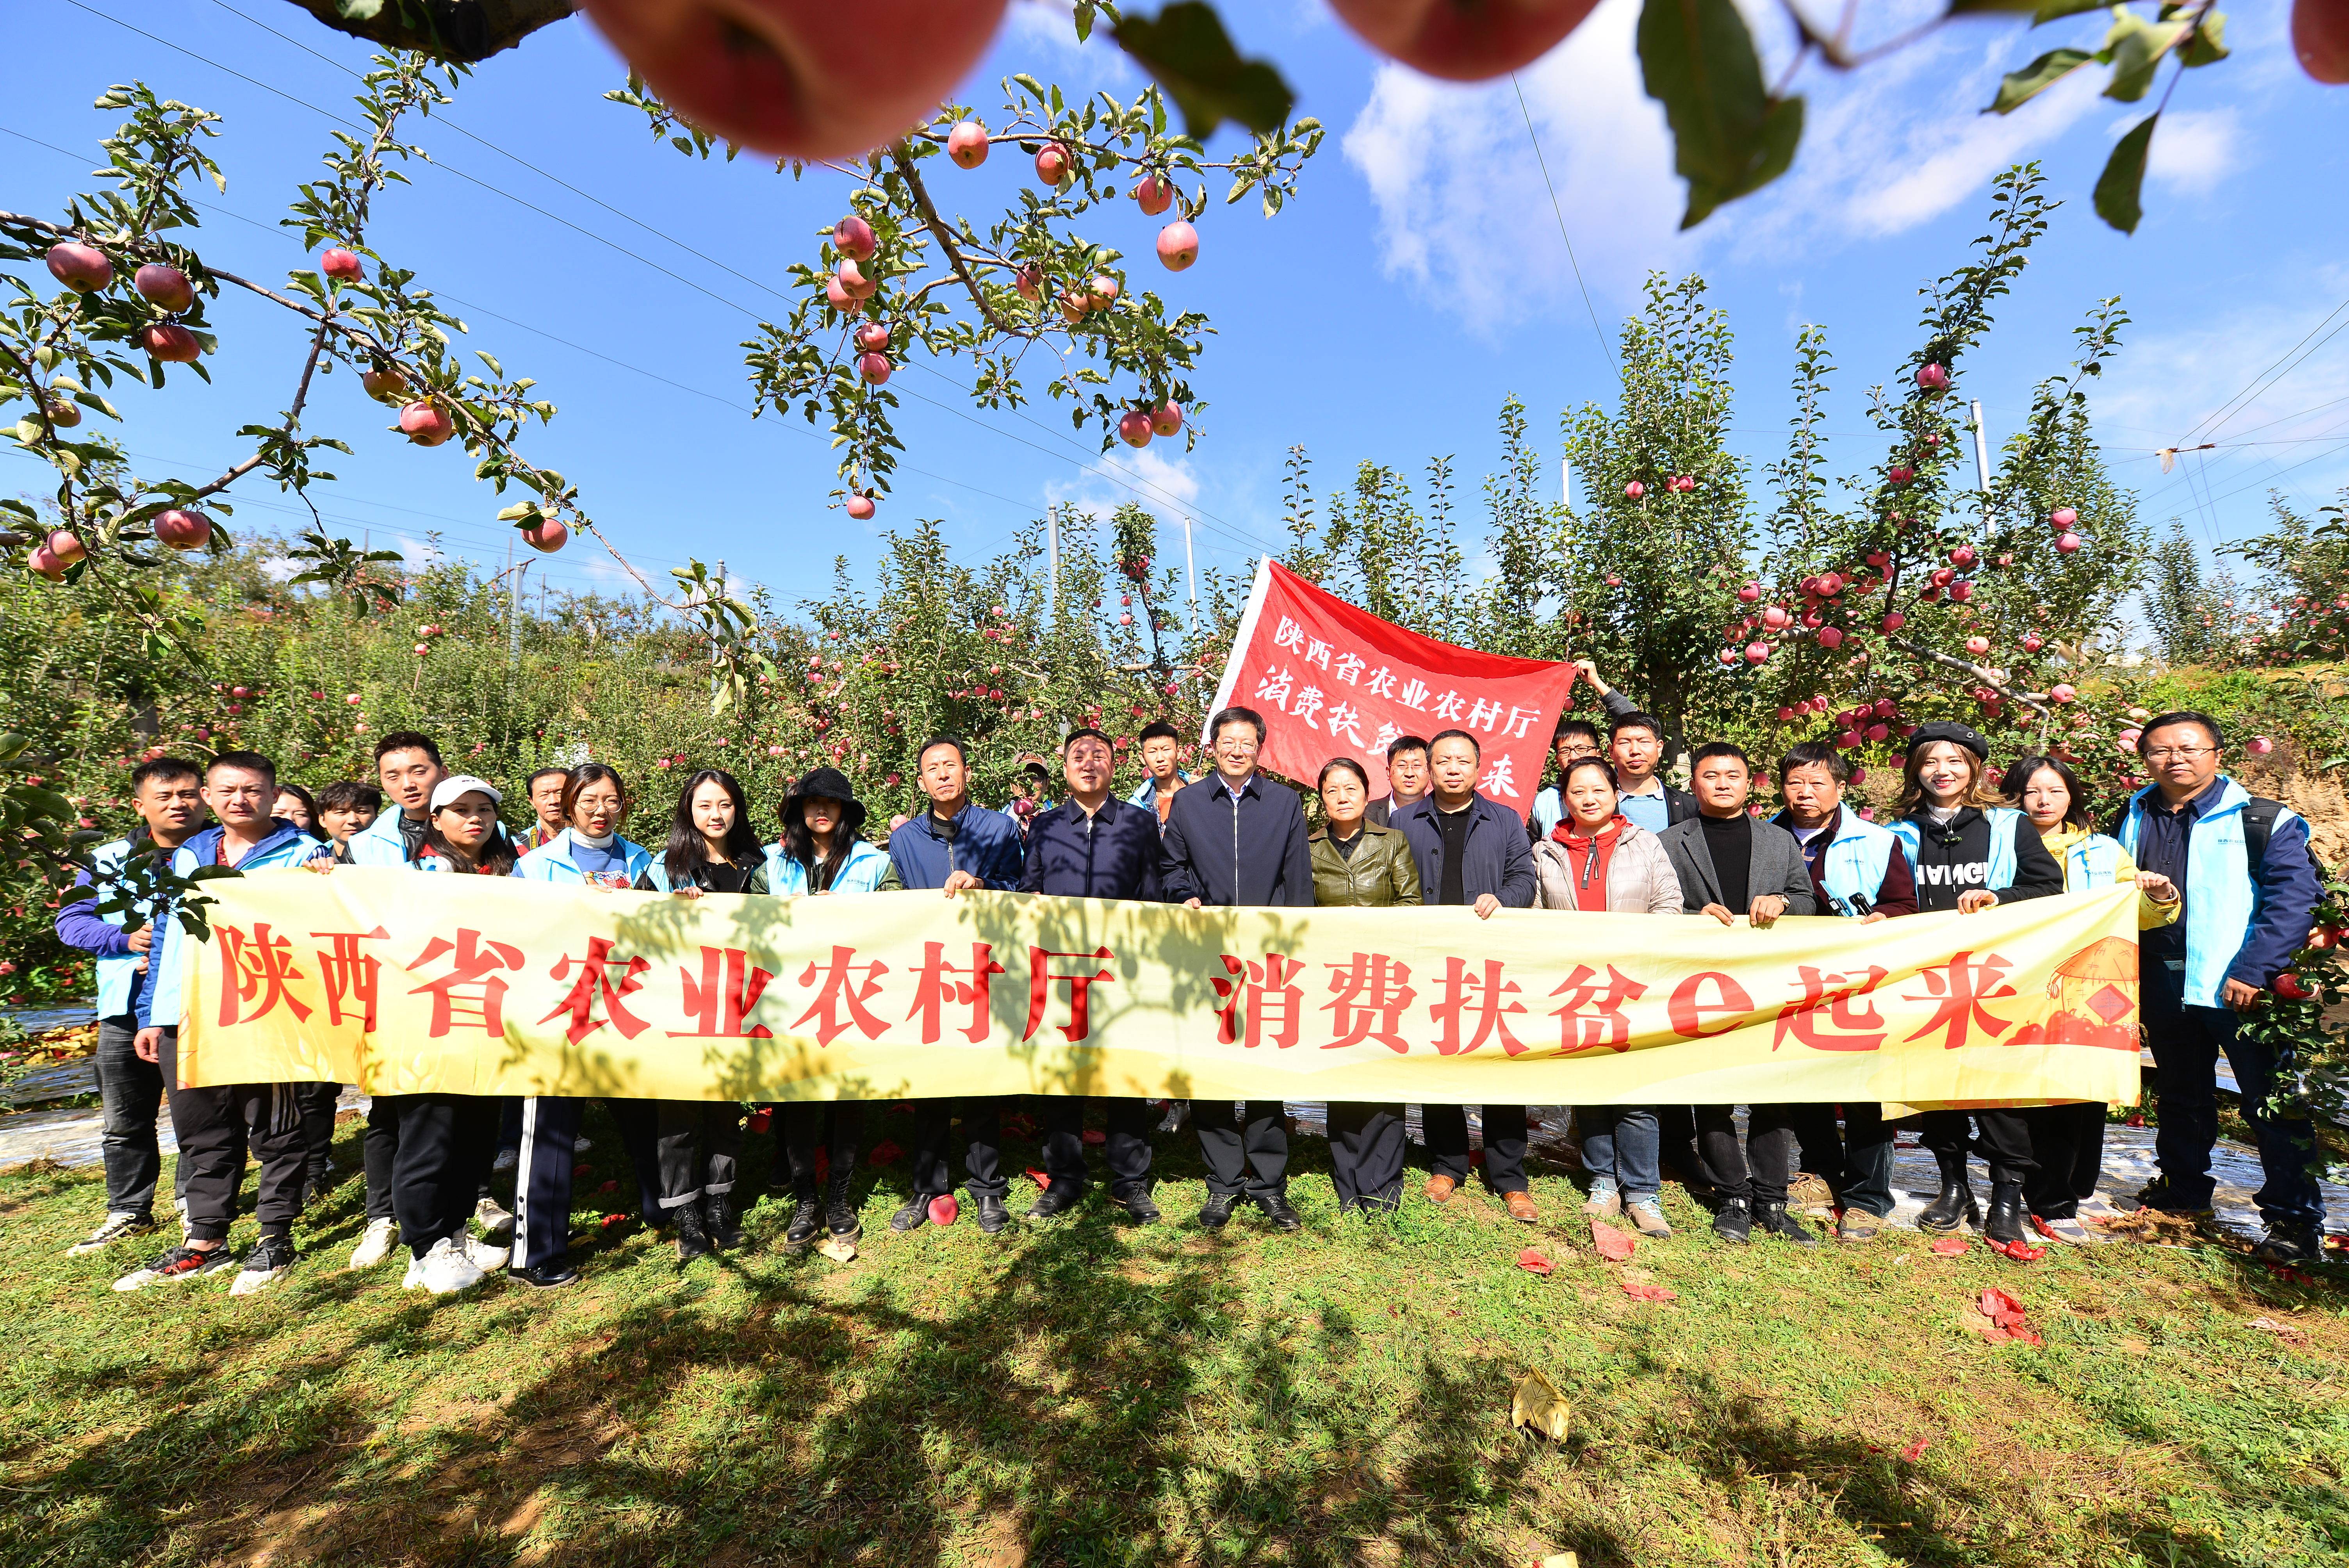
(1440, 1189)
(1521, 1207)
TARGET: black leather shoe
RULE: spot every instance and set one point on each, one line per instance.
(912, 1216)
(720, 1219)
(2156, 1196)
(1137, 1205)
(993, 1214)
(2289, 1245)
(552, 1275)
(1774, 1220)
(1276, 1209)
(2004, 1223)
(807, 1218)
(1216, 1211)
(692, 1239)
(1955, 1204)
(1056, 1200)
(840, 1214)
(1733, 1222)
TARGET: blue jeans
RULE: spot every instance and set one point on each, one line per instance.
(1622, 1147)
(2185, 1044)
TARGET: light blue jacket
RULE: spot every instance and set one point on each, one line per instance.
(288, 846)
(118, 975)
(2002, 823)
(1145, 794)
(862, 872)
(552, 861)
(2225, 897)
(379, 844)
(1852, 866)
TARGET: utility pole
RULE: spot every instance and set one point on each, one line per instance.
(514, 605)
(1982, 453)
(1565, 480)
(1052, 556)
(1191, 571)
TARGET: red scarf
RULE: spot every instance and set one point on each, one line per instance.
(1588, 855)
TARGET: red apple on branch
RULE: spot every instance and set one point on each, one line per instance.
(65, 545)
(1178, 245)
(1154, 193)
(341, 265)
(183, 529)
(2320, 37)
(873, 367)
(426, 422)
(79, 268)
(169, 342)
(1134, 429)
(1167, 418)
(1464, 40)
(860, 507)
(165, 287)
(63, 413)
(385, 383)
(966, 144)
(872, 337)
(852, 238)
(547, 535)
(1053, 164)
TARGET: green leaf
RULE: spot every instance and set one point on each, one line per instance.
(2124, 177)
(2019, 88)
(2135, 47)
(2208, 44)
(1185, 46)
(1730, 137)
(2056, 10)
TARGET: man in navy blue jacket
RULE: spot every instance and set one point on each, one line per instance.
(1093, 846)
(952, 846)
(1235, 838)
(2247, 912)
(1474, 853)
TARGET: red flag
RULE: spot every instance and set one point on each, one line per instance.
(1335, 681)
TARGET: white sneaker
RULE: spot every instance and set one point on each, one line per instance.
(580, 1145)
(494, 1221)
(487, 1256)
(375, 1243)
(2067, 1231)
(264, 1267)
(444, 1271)
(507, 1159)
(119, 1226)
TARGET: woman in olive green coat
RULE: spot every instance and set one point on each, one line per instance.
(1357, 865)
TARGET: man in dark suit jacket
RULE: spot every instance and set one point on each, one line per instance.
(1470, 851)
(1236, 838)
(1733, 865)
(1406, 779)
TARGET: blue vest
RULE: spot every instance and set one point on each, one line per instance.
(2003, 820)
(861, 872)
(552, 861)
(1852, 865)
(2221, 894)
(118, 977)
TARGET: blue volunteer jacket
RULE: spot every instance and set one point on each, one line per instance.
(2243, 922)
(1853, 864)
(379, 842)
(288, 846)
(866, 865)
(552, 861)
(105, 936)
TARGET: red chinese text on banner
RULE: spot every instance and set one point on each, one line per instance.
(1335, 681)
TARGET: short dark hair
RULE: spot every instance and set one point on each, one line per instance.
(530, 785)
(1442, 736)
(1647, 721)
(243, 762)
(1581, 727)
(344, 794)
(2181, 715)
(1080, 732)
(943, 737)
(1402, 743)
(408, 740)
(1815, 754)
(1605, 772)
(1231, 716)
(588, 773)
(2018, 778)
(1158, 729)
(165, 769)
(1719, 748)
(1321, 781)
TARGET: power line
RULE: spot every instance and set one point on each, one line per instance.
(1604, 346)
(2276, 371)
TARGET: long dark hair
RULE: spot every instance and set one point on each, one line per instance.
(830, 784)
(497, 854)
(315, 829)
(686, 850)
(2018, 778)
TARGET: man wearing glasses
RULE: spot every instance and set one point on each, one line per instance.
(2251, 886)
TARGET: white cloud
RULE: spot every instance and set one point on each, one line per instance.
(1161, 484)
(2193, 149)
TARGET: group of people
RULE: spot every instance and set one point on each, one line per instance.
(2226, 887)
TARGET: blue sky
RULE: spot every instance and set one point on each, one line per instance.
(1419, 279)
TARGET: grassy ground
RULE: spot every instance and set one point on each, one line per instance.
(1092, 1394)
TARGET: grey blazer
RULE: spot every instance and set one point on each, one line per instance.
(1777, 866)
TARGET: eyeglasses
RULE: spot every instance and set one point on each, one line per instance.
(2164, 753)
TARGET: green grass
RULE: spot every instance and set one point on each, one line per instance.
(1096, 1394)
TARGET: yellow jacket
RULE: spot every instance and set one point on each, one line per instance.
(2092, 860)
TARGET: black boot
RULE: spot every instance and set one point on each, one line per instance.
(807, 1218)
(692, 1239)
(720, 1219)
(1774, 1220)
(1955, 1206)
(2004, 1225)
(1734, 1221)
(839, 1214)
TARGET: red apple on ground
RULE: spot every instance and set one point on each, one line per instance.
(547, 535)
(79, 268)
(1053, 163)
(1462, 40)
(169, 342)
(426, 423)
(1166, 419)
(183, 529)
(802, 79)
(966, 144)
(1133, 427)
(873, 367)
(165, 287)
(339, 262)
(1178, 245)
(860, 507)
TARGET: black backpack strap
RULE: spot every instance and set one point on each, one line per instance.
(2259, 825)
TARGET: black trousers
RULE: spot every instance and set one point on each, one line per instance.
(131, 1096)
(213, 1127)
(549, 1137)
(2067, 1146)
(2003, 1136)
(1756, 1171)
(1366, 1154)
(316, 1101)
(1504, 1144)
(1676, 1146)
(982, 1156)
(639, 1121)
(444, 1142)
(837, 1127)
(1244, 1144)
(378, 1152)
(700, 1147)
(1127, 1146)
(1818, 1144)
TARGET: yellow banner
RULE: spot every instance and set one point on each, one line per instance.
(403, 982)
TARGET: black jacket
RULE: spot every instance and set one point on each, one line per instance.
(1112, 854)
(1495, 857)
(1955, 859)
(1251, 855)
